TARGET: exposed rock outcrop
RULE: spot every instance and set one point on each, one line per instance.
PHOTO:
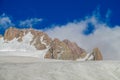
(1, 36)
(65, 50)
(75, 49)
(97, 54)
(40, 39)
(59, 50)
(11, 33)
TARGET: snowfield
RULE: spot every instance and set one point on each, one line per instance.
(32, 68)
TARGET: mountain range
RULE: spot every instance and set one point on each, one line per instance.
(35, 43)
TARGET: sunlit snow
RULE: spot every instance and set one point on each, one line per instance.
(58, 70)
(15, 48)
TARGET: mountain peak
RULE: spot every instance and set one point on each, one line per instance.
(28, 39)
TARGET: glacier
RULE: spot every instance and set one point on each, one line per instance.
(26, 68)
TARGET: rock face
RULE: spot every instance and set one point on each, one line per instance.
(56, 49)
(1, 36)
(97, 54)
(75, 49)
(40, 39)
(64, 50)
(11, 33)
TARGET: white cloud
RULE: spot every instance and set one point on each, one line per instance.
(29, 22)
(104, 37)
(108, 13)
(5, 21)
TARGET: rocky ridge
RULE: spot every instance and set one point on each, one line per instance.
(64, 50)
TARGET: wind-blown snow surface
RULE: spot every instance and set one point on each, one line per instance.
(23, 69)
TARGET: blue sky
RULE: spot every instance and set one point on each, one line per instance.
(89, 23)
(59, 11)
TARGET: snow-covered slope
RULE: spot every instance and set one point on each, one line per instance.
(15, 48)
(14, 45)
(59, 70)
